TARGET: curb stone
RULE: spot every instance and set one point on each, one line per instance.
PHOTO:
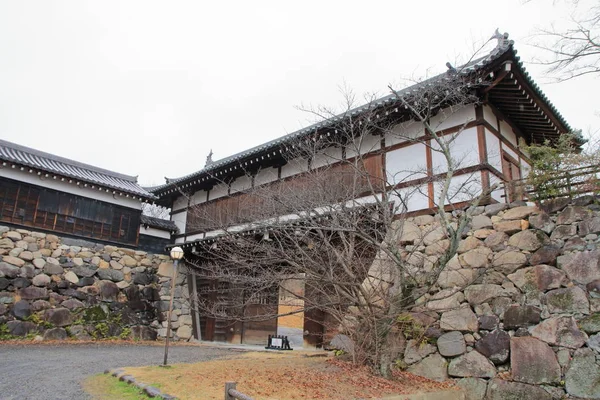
(150, 391)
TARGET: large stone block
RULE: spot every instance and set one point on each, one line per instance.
(583, 267)
(472, 364)
(462, 319)
(560, 331)
(451, 344)
(528, 240)
(477, 294)
(474, 388)
(508, 261)
(33, 293)
(58, 316)
(416, 351)
(499, 389)
(495, 346)
(567, 300)
(8, 270)
(521, 316)
(519, 212)
(433, 367)
(21, 328)
(582, 379)
(545, 255)
(107, 290)
(55, 334)
(165, 269)
(533, 361)
(573, 214)
(21, 309)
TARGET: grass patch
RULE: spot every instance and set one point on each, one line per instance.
(106, 387)
(280, 376)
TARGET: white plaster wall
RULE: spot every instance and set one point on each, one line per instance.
(408, 199)
(462, 188)
(265, 176)
(180, 220)
(155, 232)
(180, 202)
(510, 151)
(490, 117)
(240, 184)
(402, 132)
(179, 240)
(406, 163)
(219, 190)
(198, 197)
(507, 132)
(330, 155)
(525, 168)
(498, 193)
(363, 145)
(494, 152)
(293, 167)
(73, 188)
(464, 150)
(453, 116)
(194, 237)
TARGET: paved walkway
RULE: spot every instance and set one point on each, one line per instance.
(47, 372)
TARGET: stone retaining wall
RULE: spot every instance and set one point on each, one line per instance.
(52, 290)
(516, 314)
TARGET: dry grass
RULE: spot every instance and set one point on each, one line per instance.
(280, 376)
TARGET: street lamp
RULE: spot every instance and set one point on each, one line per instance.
(176, 255)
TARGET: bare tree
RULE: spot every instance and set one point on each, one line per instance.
(336, 242)
(574, 50)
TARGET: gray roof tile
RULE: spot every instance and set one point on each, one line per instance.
(26, 156)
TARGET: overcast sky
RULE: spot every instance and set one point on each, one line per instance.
(149, 87)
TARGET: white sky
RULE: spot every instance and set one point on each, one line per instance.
(149, 87)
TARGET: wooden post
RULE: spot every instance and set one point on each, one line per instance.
(170, 311)
(229, 385)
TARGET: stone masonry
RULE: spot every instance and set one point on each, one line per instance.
(516, 313)
(52, 290)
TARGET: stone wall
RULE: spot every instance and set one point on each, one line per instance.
(54, 289)
(516, 314)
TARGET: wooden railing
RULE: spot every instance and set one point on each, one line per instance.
(340, 180)
(570, 183)
(232, 394)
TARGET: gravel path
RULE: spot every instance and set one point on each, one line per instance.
(47, 372)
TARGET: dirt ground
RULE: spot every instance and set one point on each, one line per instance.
(280, 376)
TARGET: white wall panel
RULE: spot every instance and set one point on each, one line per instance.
(464, 149)
(403, 132)
(494, 152)
(507, 132)
(218, 191)
(408, 199)
(293, 167)
(462, 188)
(198, 197)
(490, 117)
(453, 116)
(265, 176)
(155, 232)
(180, 219)
(330, 155)
(406, 163)
(363, 145)
(240, 184)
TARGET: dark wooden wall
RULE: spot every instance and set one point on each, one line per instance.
(35, 206)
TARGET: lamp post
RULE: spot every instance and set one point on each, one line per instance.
(176, 255)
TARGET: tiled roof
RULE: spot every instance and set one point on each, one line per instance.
(159, 223)
(64, 167)
(504, 46)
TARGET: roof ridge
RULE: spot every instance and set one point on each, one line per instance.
(68, 161)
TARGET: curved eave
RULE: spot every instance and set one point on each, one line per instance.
(77, 180)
